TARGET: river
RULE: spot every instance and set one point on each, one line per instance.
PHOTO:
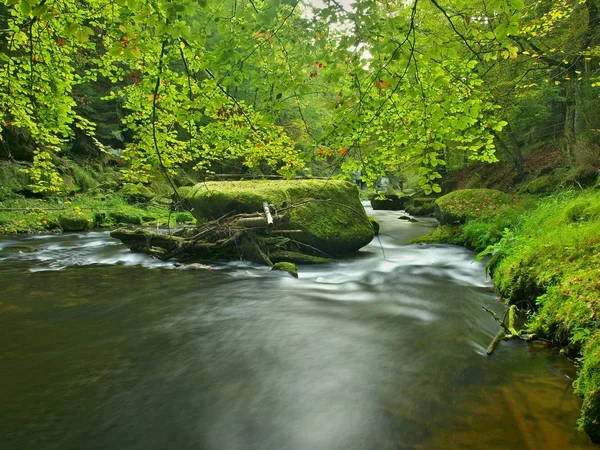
(105, 349)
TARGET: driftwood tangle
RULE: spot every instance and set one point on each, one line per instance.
(259, 237)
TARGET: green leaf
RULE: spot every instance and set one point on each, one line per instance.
(517, 4)
(25, 7)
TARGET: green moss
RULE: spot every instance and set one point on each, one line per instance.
(420, 206)
(328, 212)
(463, 205)
(446, 234)
(30, 215)
(184, 217)
(539, 185)
(375, 224)
(136, 193)
(83, 178)
(74, 222)
(587, 386)
(126, 217)
(12, 180)
(286, 267)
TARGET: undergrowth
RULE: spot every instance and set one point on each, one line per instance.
(30, 215)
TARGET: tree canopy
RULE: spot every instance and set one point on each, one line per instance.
(279, 85)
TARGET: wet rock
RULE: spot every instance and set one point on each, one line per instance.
(136, 193)
(389, 202)
(286, 267)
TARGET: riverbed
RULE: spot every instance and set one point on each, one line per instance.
(102, 348)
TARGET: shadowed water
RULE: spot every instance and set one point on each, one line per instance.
(102, 348)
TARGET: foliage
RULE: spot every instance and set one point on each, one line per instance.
(548, 88)
(202, 83)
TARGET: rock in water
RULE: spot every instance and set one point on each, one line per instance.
(389, 202)
(329, 214)
(286, 267)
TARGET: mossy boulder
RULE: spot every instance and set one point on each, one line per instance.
(13, 180)
(466, 204)
(74, 222)
(389, 202)
(376, 225)
(286, 267)
(539, 185)
(328, 213)
(184, 217)
(420, 206)
(126, 218)
(136, 193)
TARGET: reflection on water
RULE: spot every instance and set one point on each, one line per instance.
(119, 351)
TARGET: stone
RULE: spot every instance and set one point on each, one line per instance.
(328, 213)
(389, 202)
(286, 267)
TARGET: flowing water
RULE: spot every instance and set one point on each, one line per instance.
(101, 348)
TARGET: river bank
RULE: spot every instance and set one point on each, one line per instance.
(545, 255)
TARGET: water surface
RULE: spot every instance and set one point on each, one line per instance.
(106, 349)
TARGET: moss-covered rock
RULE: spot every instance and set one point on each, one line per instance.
(74, 222)
(539, 185)
(126, 218)
(286, 267)
(420, 206)
(184, 217)
(375, 224)
(328, 213)
(446, 234)
(463, 205)
(136, 193)
(389, 202)
(13, 180)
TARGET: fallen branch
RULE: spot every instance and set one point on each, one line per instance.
(496, 341)
(506, 331)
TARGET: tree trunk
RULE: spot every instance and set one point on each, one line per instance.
(569, 126)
